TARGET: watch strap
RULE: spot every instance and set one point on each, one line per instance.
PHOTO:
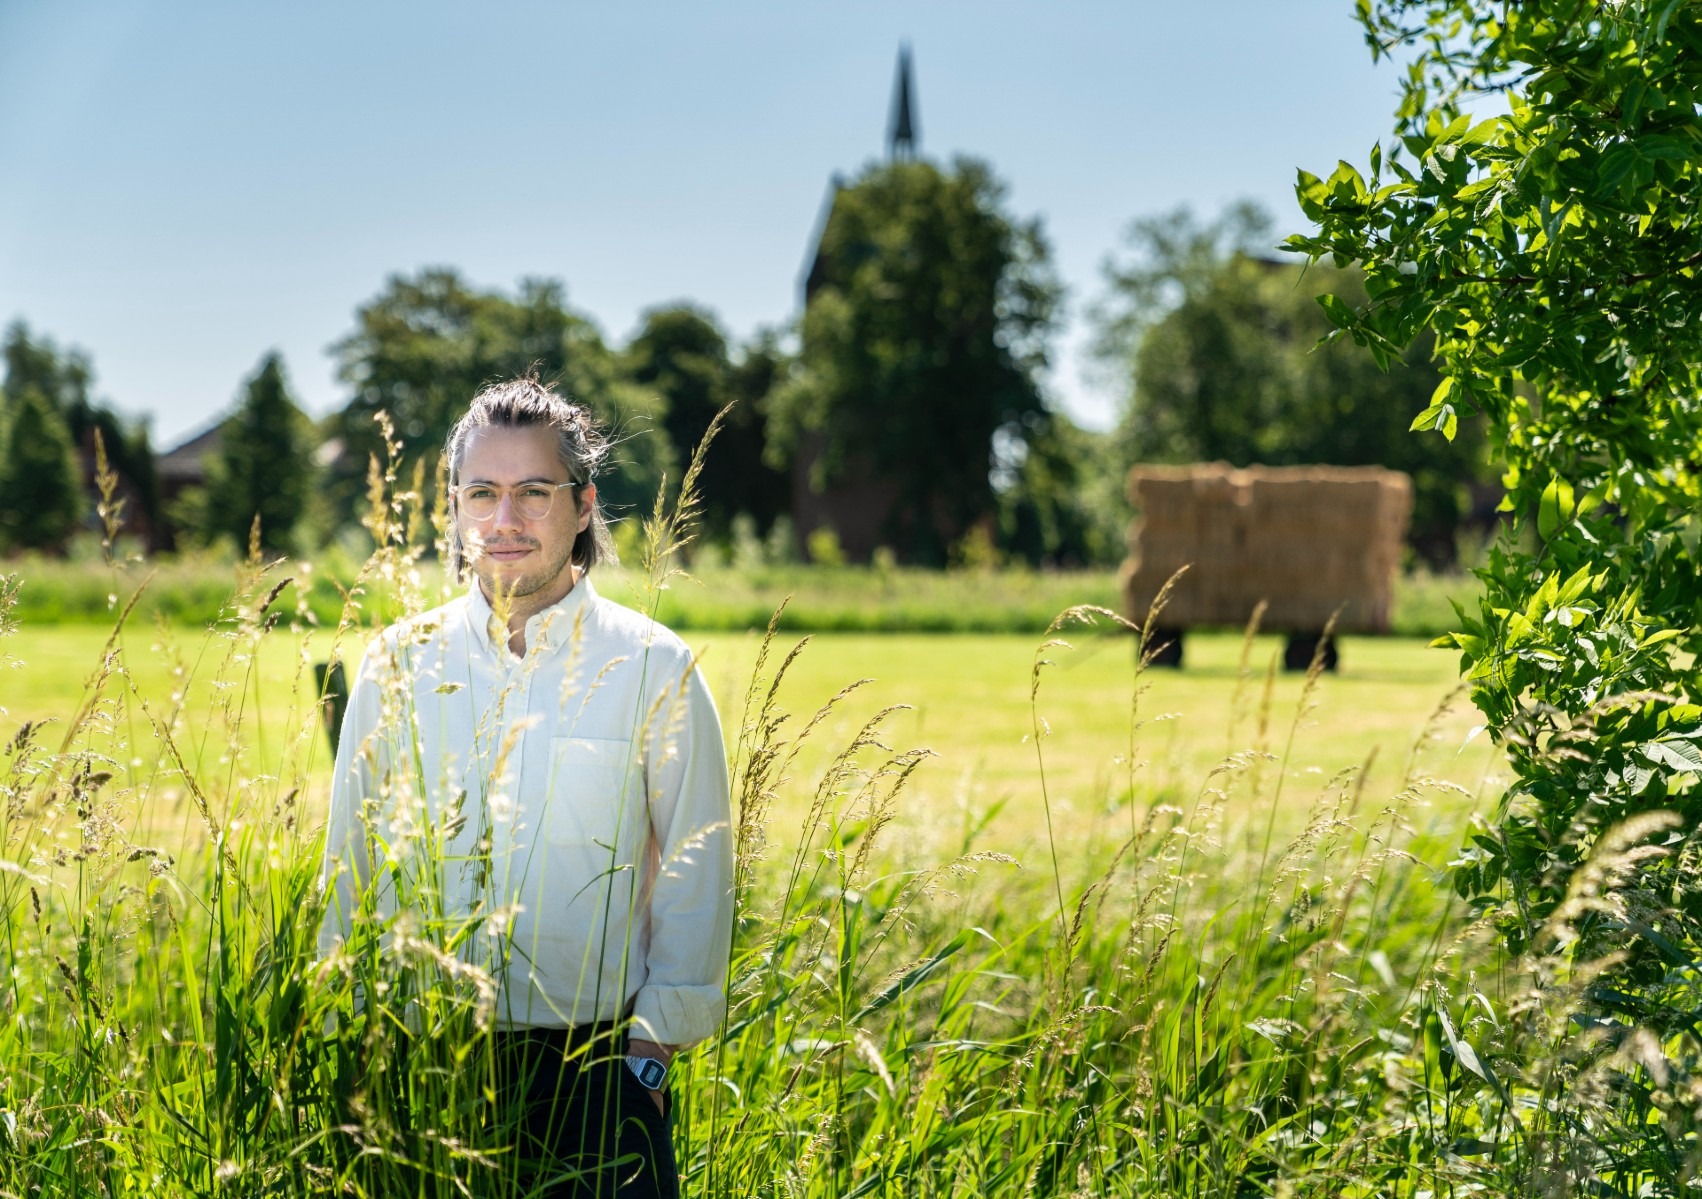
(651, 1073)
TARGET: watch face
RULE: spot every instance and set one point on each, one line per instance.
(651, 1073)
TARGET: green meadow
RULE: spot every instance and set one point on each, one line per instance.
(719, 596)
(1016, 917)
(1393, 707)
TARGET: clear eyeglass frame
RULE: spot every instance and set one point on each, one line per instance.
(532, 501)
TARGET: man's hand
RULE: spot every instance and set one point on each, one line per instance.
(661, 1053)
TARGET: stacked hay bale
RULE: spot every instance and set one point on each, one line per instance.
(1305, 539)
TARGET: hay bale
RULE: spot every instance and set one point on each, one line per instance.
(1306, 539)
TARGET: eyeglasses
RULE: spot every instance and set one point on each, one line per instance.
(532, 501)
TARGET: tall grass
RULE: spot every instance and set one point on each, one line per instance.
(1169, 999)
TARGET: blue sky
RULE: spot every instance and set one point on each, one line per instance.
(184, 186)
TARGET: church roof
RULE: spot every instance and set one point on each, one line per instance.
(185, 461)
(903, 133)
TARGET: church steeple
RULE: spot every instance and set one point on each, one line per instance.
(902, 128)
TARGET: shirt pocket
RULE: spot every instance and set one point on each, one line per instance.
(590, 780)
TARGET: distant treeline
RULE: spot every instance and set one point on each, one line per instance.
(902, 415)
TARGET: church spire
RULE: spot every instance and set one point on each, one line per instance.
(902, 130)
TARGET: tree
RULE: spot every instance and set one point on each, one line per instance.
(681, 352)
(264, 466)
(1552, 249)
(65, 378)
(925, 334)
(1060, 495)
(1219, 348)
(426, 344)
(41, 489)
(758, 371)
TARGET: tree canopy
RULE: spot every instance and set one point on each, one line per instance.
(1217, 343)
(64, 378)
(1061, 495)
(681, 352)
(41, 487)
(924, 337)
(427, 343)
(1550, 243)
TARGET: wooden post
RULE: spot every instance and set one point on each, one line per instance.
(1168, 643)
(1297, 653)
(333, 697)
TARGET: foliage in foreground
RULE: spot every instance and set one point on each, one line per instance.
(1553, 250)
(1237, 990)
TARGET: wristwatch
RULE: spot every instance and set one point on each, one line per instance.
(651, 1073)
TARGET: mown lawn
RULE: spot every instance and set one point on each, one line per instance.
(968, 697)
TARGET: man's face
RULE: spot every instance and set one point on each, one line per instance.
(508, 552)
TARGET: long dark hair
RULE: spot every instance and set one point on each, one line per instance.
(525, 403)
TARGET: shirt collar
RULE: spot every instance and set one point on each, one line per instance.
(550, 628)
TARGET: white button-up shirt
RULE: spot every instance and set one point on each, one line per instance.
(573, 801)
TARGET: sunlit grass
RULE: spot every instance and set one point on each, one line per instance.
(1092, 949)
(190, 590)
(968, 703)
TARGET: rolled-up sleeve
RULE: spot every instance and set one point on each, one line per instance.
(683, 998)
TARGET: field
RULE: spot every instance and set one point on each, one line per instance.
(968, 703)
(1035, 965)
(191, 592)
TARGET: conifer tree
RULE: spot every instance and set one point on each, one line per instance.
(41, 494)
(64, 376)
(264, 465)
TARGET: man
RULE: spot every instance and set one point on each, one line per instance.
(561, 760)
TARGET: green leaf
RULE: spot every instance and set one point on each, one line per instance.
(920, 972)
(1440, 414)
(1519, 629)
(1341, 316)
(1312, 193)
(1666, 146)
(1660, 33)
(1682, 756)
(1346, 182)
(1456, 129)
(1483, 131)
(1556, 508)
(1441, 417)
(1463, 1052)
(1615, 168)
(1426, 419)
(1467, 1056)
(1574, 586)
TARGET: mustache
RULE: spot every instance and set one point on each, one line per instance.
(478, 546)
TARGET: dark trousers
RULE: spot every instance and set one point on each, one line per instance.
(585, 1125)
